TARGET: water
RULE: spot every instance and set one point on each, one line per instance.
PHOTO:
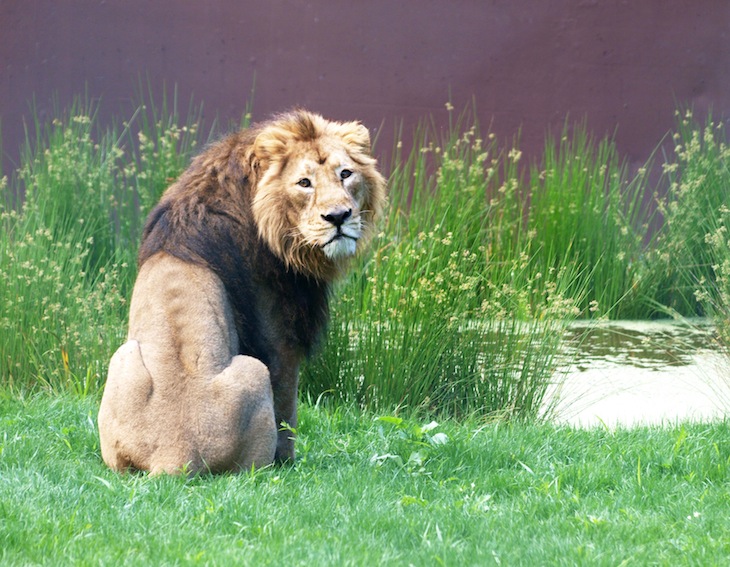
(642, 372)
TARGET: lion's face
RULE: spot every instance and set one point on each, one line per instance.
(318, 191)
(326, 199)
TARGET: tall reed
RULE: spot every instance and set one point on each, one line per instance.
(714, 294)
(694, 252)
(586, 207)
(698, 190)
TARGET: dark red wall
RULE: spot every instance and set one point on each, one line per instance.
(527, 63)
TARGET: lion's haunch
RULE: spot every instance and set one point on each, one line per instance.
(235, 266)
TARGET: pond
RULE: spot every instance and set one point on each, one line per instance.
(641, 372)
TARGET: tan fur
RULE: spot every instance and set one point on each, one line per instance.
(236, 261)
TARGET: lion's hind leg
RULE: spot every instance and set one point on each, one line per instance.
(240, 430)
(121, 414)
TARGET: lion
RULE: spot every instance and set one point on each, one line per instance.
(235, 268)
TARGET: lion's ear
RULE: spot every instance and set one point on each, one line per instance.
(270, 143)
(356, 135)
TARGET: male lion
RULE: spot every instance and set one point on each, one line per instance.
(235, 268)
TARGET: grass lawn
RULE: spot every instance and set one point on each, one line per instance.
(371, 490)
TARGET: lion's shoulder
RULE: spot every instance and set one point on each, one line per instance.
(186, 304)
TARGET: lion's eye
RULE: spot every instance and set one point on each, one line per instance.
(345, 173)
(304, 182)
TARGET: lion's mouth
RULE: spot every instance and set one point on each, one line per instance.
(340, 245)
(339, 236)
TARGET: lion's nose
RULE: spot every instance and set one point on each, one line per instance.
(338, 217)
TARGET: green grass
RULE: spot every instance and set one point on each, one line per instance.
(371, 490)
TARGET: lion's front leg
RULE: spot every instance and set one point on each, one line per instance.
(284, 382)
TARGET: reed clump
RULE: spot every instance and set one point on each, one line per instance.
(694, 244)
(70, 221)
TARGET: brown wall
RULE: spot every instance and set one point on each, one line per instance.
(527, 63)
